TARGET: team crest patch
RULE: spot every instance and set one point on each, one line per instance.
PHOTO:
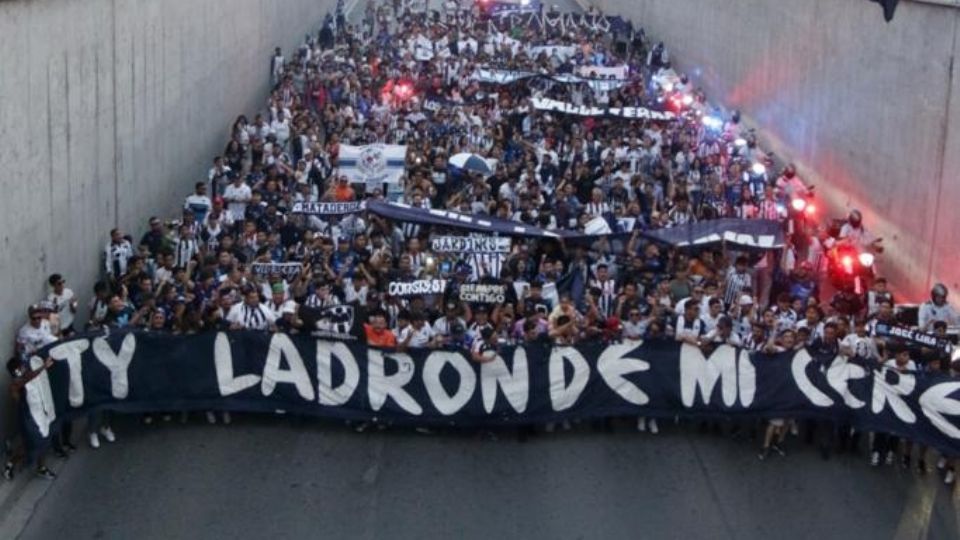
(372, 161)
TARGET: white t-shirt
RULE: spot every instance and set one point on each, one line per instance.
(199, 205)
(62, 304)
(634, 330)
(815, 332)
(863, 347)
(892, 364)
(420, 337)
(286, 306)
(32, 339)
(710, 323)
(930, 312)
(688, 330)
(237, 198)
(443, 327)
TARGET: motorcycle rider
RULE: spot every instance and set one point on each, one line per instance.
(937, 309)
(854, 233)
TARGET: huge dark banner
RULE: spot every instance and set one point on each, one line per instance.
(252, 371)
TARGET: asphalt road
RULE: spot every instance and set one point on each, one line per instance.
(275, 477)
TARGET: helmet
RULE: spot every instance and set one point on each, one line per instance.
(939, 290)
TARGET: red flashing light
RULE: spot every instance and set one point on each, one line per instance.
(847, 262)
(811, 210)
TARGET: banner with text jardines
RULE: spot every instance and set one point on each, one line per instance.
(253, 371)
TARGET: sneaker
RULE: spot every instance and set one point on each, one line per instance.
(94, 441)
(641, 424)
(764, 454)
(949, 478)
(889, 458)
(108, 434)
(148, 419)
(45, 473)
(654, 428)
(361, 427)
(941, 464)
(8, 471)
(211, 418)
(424, 431)
(875, 459)
(776, 448)
(226, 417)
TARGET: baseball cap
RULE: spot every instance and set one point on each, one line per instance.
(746, 300)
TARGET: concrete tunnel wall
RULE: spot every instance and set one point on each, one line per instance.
(110, 111)
(869, 111)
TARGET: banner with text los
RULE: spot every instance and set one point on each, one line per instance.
(256, 371)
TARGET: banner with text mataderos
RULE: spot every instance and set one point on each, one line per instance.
(253, 371)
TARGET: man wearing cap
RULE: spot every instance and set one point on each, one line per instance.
(154, 239)
(444, 326)
(34, 335)
(64, 302)
(279, 303)
(481, 320)
(536, 314)
(485, 349)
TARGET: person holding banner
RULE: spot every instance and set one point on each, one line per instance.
(20, 375)
(486, 347)
(251, 314)
(376, 332)
(418, 334)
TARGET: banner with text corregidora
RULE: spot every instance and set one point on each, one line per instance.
(254, 371)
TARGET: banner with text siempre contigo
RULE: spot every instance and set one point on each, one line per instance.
(254, 371)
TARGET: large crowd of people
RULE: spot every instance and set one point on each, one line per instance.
(370, 82)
